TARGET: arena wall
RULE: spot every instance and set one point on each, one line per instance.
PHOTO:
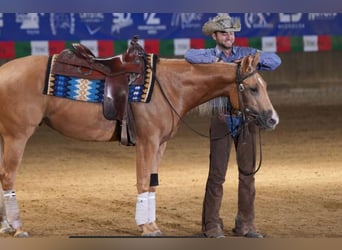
(304, 69)
(307, 69)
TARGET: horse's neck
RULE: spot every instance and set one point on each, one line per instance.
(194, 84)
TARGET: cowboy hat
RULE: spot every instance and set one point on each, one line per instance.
(223, 23)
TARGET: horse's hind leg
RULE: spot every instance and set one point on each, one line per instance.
(11, 154)
(4, 226)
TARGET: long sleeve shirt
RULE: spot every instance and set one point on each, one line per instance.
(267, 61)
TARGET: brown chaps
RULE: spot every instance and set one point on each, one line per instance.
(220, 147)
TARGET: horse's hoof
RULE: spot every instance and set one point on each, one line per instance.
(152, 234)
(150, 230)
(7, 230)
(21, 234)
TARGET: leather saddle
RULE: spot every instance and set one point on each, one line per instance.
(117, 73)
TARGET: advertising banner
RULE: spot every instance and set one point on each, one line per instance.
(174, 31)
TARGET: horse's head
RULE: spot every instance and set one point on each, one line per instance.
(252, 98)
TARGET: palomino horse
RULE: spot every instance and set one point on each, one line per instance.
(180, 87)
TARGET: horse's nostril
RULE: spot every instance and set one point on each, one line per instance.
(272, 121)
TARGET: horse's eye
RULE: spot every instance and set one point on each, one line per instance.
(254, 90)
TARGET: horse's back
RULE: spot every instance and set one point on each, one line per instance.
(23, 104)
(23, 73)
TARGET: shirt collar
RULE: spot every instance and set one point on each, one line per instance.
(220, 54)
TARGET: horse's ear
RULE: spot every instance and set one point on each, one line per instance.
(246, 63)
(256, 59)
(238, 60)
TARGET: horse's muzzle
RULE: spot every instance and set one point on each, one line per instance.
(266, 119)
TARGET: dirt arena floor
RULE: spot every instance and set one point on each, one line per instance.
(73, 188)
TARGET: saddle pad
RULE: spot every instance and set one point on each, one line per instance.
(90, 90)
(143, 92)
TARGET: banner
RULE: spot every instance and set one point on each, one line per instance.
(42, 33)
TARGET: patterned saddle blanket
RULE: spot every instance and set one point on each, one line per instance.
(92, 89)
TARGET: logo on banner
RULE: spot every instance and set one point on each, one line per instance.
(29, 22)
(181, 46)
(258, 20)
(321, 16)
(269, 44)
(152, 24)
(291, 21)
(1, 22)
(187, 20)
(310, 43)
(63, 22)
(93, 21)
(120, 21)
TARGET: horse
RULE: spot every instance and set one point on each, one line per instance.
(179, 88)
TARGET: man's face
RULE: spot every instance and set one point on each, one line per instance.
(225, 40)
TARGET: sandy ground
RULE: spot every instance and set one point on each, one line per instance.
(73, 188)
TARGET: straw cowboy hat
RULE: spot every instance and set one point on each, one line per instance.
(223, 23)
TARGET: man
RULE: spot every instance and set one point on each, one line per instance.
(226, 128)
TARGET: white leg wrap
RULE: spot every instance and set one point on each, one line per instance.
(4, 226)
(12, 209)
(2, 206)
(151, 207)
(141, 210)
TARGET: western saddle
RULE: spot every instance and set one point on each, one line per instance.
(117, 72)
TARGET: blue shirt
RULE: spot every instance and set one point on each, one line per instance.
(267, 61)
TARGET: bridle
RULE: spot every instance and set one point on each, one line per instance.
(244, 111)
(241, 88)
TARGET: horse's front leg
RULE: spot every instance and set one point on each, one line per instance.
(147, 182)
